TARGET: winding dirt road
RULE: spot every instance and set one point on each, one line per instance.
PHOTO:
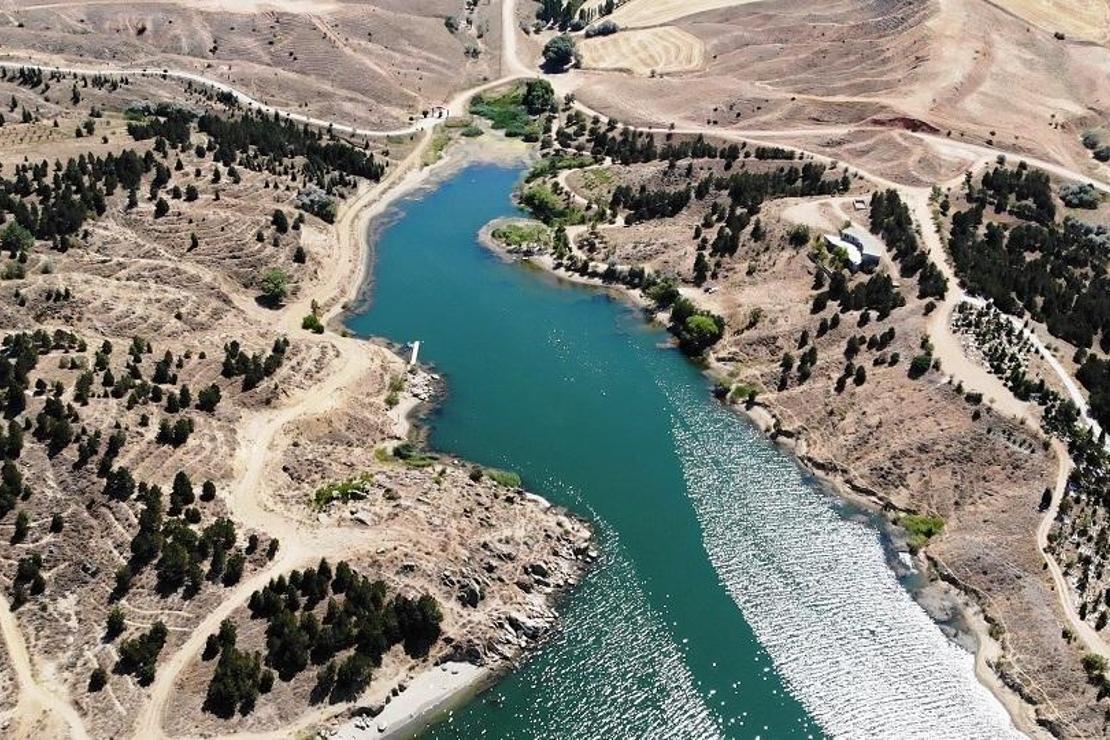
(42, 710)
(303, 542)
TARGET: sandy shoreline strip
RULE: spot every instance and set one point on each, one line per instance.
(429, 695)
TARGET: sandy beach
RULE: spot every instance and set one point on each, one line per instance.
(426, 697)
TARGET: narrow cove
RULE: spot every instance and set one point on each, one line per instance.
(735, 597)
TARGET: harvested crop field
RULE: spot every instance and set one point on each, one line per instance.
(661, 50)
(1084, 19)
(642, 13)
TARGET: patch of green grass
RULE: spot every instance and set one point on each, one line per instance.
(506, 112)
(410, 455)
(396, 385)
(458, 122)
(599, 178)
(920, 528)
(740, 392)
(342, 491)
(523, 235)
(505, 478)
(551, 208)
(552, 164)
(471, 131)
(440, 140)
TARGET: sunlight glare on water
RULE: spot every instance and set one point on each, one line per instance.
(733, 599)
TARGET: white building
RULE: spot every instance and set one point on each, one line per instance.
(851, 247)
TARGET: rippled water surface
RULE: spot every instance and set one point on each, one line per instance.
(735, 598)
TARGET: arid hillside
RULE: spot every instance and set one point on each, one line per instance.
(961, 69)
(180, 429)
(734, 246)
(374, 64)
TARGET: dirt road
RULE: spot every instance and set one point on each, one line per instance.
(42, 709)
(259, 433)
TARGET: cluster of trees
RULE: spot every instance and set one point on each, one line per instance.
(876, 294)
(746, 193)
(572, 15)
(253, 368)
(358, 615)
(139, 655)
(182, 555)
(632, 146)
(174, 433)
(1022, 191)
(605, 28)
(1080, 195)
(550, 207)
(52, 202)
(891, 219)
(54, 425)
(559, 53)
(1004, 349)
(239, 677)
(164, 121)
(28, 580)
(1099, 151)
(538, 97)
(1094, 374)
(696, 330)
(278, 139)
(773, 152)
(19, 355)
(318, 204)
(749, 189)
(1058, 273)
(644, 204)
(30, 77)
(1080, 518)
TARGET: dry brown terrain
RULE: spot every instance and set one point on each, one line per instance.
(643, 13)
(651, 51)
(375, 64)
(963, 71)
(330, 410)
(902, 91)
(1085, 19)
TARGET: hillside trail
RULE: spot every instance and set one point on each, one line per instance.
(1086, 634)
(42, 710)
(259, 444)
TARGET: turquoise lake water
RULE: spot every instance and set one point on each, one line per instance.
(735, 598)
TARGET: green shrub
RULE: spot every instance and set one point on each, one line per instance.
(507, 112)
(523, 235)
(559, 53)
(920, 365)
(342, 491)
(920, 528)
(505, 478)
(311, 322)
(550, 208)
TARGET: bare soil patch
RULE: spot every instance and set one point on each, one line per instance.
(641, 13)
(651, 51)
